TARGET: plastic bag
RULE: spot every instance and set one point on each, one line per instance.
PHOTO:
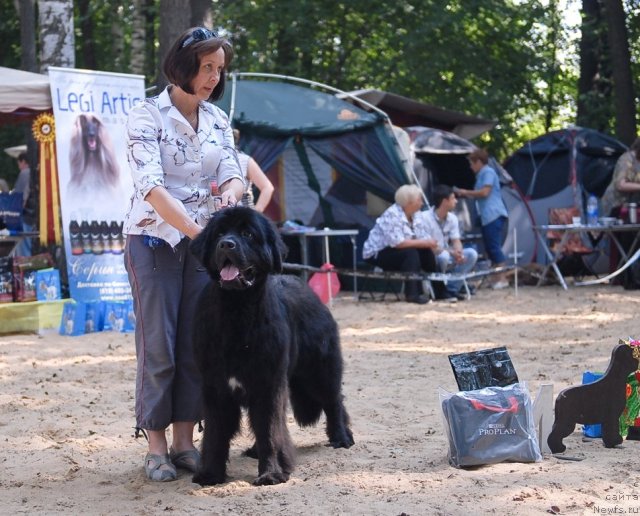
(321, 281)
(490, 425)
(11, 210)
(484, 368)
(630, 417)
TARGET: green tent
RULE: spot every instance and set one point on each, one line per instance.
(322, 154)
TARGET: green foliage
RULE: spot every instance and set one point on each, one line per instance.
(109, 42)
(513, 61)
(483, 57)
(10, 32)
(10, 52)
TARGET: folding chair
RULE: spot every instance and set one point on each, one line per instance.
(574, 249)
(370, 285)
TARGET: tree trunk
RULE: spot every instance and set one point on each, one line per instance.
(201, 15)
(624, 98)
(117, 41)
(86, 26)
(27, 35)
(589, 53)
(56, 33)
(174, 19)
(553, 65)
(138, 38)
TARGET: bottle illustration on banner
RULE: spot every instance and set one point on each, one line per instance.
(85, 236)
(115, 232)
(105, 236)
(75, 238)
(96, 237)
(96, 241)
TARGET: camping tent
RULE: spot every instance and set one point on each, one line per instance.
(442, 159)
(322, 153)
(559, 169)
(22, 94)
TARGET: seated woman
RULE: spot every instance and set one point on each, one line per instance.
(400, 241)
(625, 184)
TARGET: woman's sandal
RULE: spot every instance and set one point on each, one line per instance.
(188, 459)
(153, 467)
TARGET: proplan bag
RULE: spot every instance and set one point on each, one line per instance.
(490, 425)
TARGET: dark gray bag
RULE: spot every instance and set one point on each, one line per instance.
(490, 425)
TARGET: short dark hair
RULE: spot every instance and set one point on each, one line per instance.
(23, 157)
(182, 62)
(440, 193)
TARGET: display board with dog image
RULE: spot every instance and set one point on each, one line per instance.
(90, 110)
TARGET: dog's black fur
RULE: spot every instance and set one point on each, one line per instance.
(599, 402)
(261, 338)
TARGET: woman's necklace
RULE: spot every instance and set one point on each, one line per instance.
(194, 121)
(193, 118)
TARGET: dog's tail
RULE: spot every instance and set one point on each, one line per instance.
(306, 409)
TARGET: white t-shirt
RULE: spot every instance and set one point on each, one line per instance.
(443, 231)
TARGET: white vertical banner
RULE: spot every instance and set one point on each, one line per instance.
(90, 110)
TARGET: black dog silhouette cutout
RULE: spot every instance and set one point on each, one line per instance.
(599, 402)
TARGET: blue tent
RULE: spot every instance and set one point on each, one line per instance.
(576, 159)
(561, 168)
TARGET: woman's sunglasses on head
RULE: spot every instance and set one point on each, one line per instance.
(199, 34)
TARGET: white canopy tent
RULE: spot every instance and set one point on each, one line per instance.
(23, 92)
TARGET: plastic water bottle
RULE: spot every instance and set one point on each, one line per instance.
(592, 210)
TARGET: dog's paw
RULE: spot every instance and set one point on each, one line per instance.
(557, 447)
(343, 441)
(613, 442)
(341, 444)
(205, 479)
(271, 478)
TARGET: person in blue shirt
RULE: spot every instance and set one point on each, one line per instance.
(493, 212)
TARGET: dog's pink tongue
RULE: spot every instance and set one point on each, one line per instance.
(229, 272)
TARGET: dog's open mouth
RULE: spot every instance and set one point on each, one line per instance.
(233, 277)
(92, 143)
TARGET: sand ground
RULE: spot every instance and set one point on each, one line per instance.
(66, 431)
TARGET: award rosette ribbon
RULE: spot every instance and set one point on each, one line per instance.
(43, 129)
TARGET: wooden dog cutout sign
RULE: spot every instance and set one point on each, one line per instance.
(599, 402)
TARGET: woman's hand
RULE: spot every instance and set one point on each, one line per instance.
(460, 192)
(231, 192)
(228, 199)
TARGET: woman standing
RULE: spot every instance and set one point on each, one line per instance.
(178, 143)
(493, 212)
(253, 175)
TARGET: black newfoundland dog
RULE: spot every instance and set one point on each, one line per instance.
(262, 338)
